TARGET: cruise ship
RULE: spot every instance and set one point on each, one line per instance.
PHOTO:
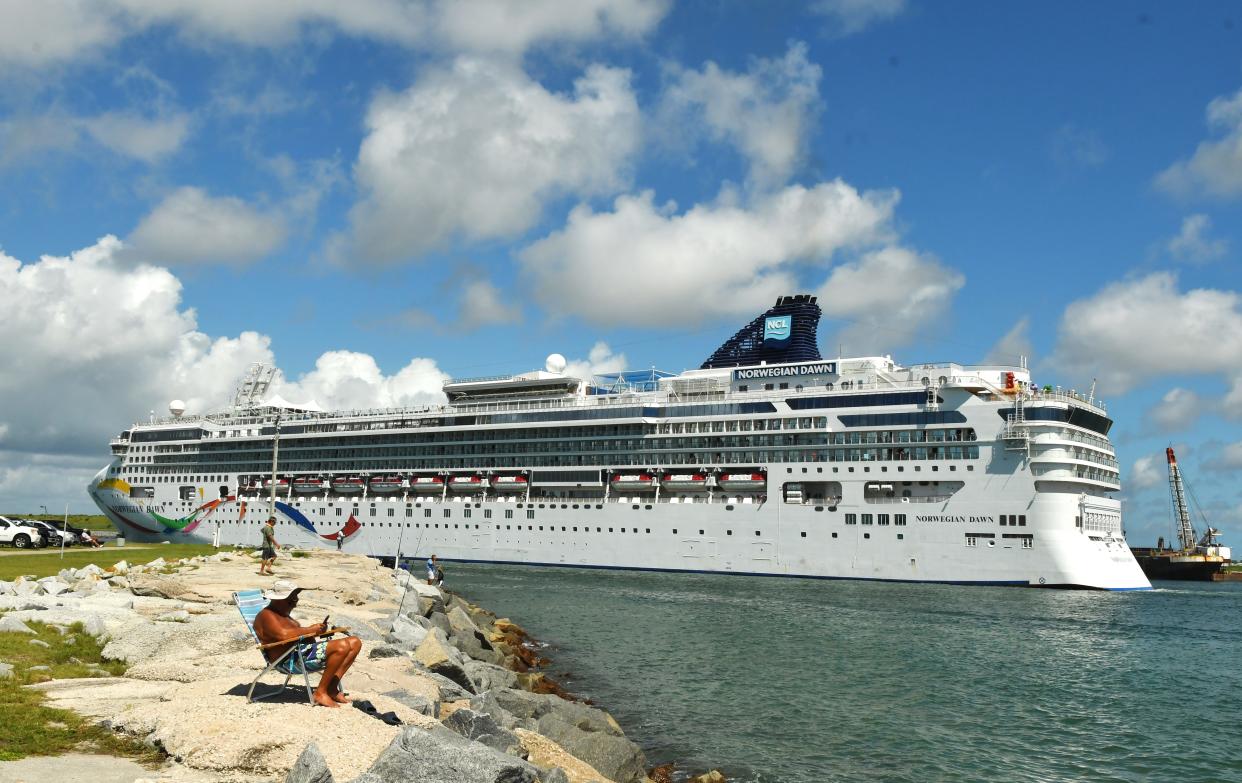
(767, 460)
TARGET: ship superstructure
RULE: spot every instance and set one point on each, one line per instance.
(768, 459)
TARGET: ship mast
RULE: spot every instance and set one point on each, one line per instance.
(1185, 530)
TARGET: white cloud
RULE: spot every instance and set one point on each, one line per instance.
(1178, 409)
(91, 343)
(852, 16)
(474, 151)
(350, 380)
(1074, 147)
(1146, 473)
(765, 113)
(138, 137)
(1015, 344)
(483, 304)
(600, 359)
(1215, 168)
(887, 296)
(1137, 330)
(644, 265)
(55, 31)
(1231, 456)
(24, 137)
(191, 227)
(1193, 245)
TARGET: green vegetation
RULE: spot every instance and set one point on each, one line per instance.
(88, 521)
(31, 728)
(49, 562)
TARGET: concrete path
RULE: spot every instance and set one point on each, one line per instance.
(74, 767)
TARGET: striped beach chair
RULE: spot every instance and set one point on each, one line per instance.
(250, 603)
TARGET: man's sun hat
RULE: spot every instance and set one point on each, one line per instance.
(281, 589)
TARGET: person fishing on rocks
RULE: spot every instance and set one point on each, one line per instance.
(333, 658)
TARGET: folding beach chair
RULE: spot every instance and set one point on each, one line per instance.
(250, 603)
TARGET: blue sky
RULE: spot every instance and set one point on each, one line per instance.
(379, 196)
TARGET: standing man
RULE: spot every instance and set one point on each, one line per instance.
(431, 570)
(269, 547)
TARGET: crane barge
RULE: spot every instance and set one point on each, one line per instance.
(1196, 558)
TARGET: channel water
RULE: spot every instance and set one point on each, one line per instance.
(806, 681)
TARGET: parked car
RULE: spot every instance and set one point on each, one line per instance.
(19, 534)
(51, 533)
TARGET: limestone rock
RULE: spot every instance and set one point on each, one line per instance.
(437, 755)
(39, 669)
(481, 727)
(415, 701)
(53, 587)
(447, 690)
(311, 767)
(714, 776)
(40, 643)
(13, 625)
(156, 586)
(487, 676)
(442, 658)
(440, 620)
(616, 757)
(554, 775)
(179, 616)
(6, 588)
(24, 588)
(406, 634)
(486, 703)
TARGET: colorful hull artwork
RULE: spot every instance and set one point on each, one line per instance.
(189, 523)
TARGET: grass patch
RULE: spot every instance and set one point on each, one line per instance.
(31, 728)
(48, 563)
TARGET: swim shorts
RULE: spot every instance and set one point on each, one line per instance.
(314, 652)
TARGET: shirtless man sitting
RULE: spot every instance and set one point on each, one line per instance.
(334, 657)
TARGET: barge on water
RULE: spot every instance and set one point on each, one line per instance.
(1198, 559)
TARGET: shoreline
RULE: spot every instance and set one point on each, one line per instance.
(464, 683)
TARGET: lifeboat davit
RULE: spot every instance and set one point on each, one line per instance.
(510, 483)
(467, 484)
(634, 482)
(348, 485)
(386, 485)
(427, 485)
(307, 486)
(684, 482)
(742, 482)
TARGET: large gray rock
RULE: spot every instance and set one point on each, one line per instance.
(440, 657)
(384, 651)
(25, 588)
(6, 670)
(487, 676)
(406, 634)
(6, 588)
(358, 628)
(440, 620)
(438, 755)
(95, 627)
(554, 775)
(427, 605)
(448, 690)
(13, 625)
(481, 727)
(615, 757)
(417, 702)
(486, 703)
(311, 767)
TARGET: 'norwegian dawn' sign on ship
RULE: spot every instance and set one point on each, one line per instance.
(785, 371)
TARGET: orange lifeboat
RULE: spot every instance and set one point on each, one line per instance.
(742, 482)
(467, 484)
(426, 485)
(510, 484)
(634, 482)
(684, 482)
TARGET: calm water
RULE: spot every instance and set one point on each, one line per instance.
(802, 681)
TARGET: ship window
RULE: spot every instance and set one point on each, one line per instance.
(972, 541)
(756, 532)
(899, 519)
(728, 532)
(851, 519)
(372, 512)
(834, 535)
(866, 519)
(881, 519)
(487, 513)
(1004, 519)
(804, 534)
(392, 512)
(466, 513)
(609, 529)
(648, 530)
(1027, 543)
(700, 532)
(866, 535)
(530, 514)
(1022, 520)
(901, 536)
(508, 513)
(426, 512)
(338, 512)
(674, 531)
(447, 513)
(743, 388)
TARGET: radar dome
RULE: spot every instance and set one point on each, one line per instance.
(556, 363)
(176, 407)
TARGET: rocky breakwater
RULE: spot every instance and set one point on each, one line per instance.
(459, 680)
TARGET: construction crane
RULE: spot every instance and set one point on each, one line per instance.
(1185, 529)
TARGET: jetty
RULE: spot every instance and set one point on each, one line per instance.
(461, 682)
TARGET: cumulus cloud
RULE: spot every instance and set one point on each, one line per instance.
(149, 139)
(1193, 244)
(887, 296)
(350, 380)
(1013, 345)
(644, 265)
(765, 113)
(1215, 168)
(475, 150)
(1146, 473)
(1231, 456)
(139, 137)
(1178, 409)
(192, 227)
(599, 360)
(91, 343)
(55, 31)
(483, 304)
(1144, 328)
(852, 16)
